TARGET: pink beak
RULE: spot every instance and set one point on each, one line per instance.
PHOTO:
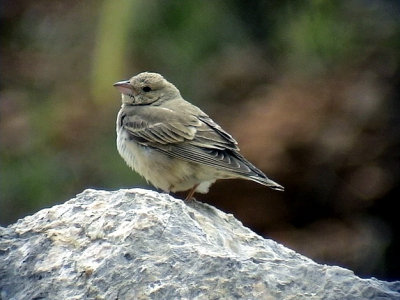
(124, 87)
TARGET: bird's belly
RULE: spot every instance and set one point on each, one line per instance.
(163, 171)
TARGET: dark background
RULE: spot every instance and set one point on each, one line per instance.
(310, 89)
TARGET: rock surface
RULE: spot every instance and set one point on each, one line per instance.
(138, 244)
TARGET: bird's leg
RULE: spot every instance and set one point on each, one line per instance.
(191, 192)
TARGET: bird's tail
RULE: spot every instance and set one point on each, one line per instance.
(257, 175)
(268, 182)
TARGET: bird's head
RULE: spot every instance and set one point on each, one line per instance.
(146, 88)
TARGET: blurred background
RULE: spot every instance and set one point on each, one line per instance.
(310, 89)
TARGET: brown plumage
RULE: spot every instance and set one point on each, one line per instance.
(172, 143)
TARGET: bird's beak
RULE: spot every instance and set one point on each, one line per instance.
(124, 86)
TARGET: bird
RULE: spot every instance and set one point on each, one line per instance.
(172, 143)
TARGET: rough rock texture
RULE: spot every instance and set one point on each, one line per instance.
(138, 244)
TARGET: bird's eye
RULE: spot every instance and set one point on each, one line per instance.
(146, 89)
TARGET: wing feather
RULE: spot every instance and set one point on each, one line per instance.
(155, 125)
(192, 138)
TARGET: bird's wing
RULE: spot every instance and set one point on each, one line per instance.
(158, 125)
(210, 135)
(152, 126)
(192, 138)
(226, 160)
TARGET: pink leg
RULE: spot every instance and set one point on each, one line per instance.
(191, 193)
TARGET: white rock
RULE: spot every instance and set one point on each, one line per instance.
(138, 244)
